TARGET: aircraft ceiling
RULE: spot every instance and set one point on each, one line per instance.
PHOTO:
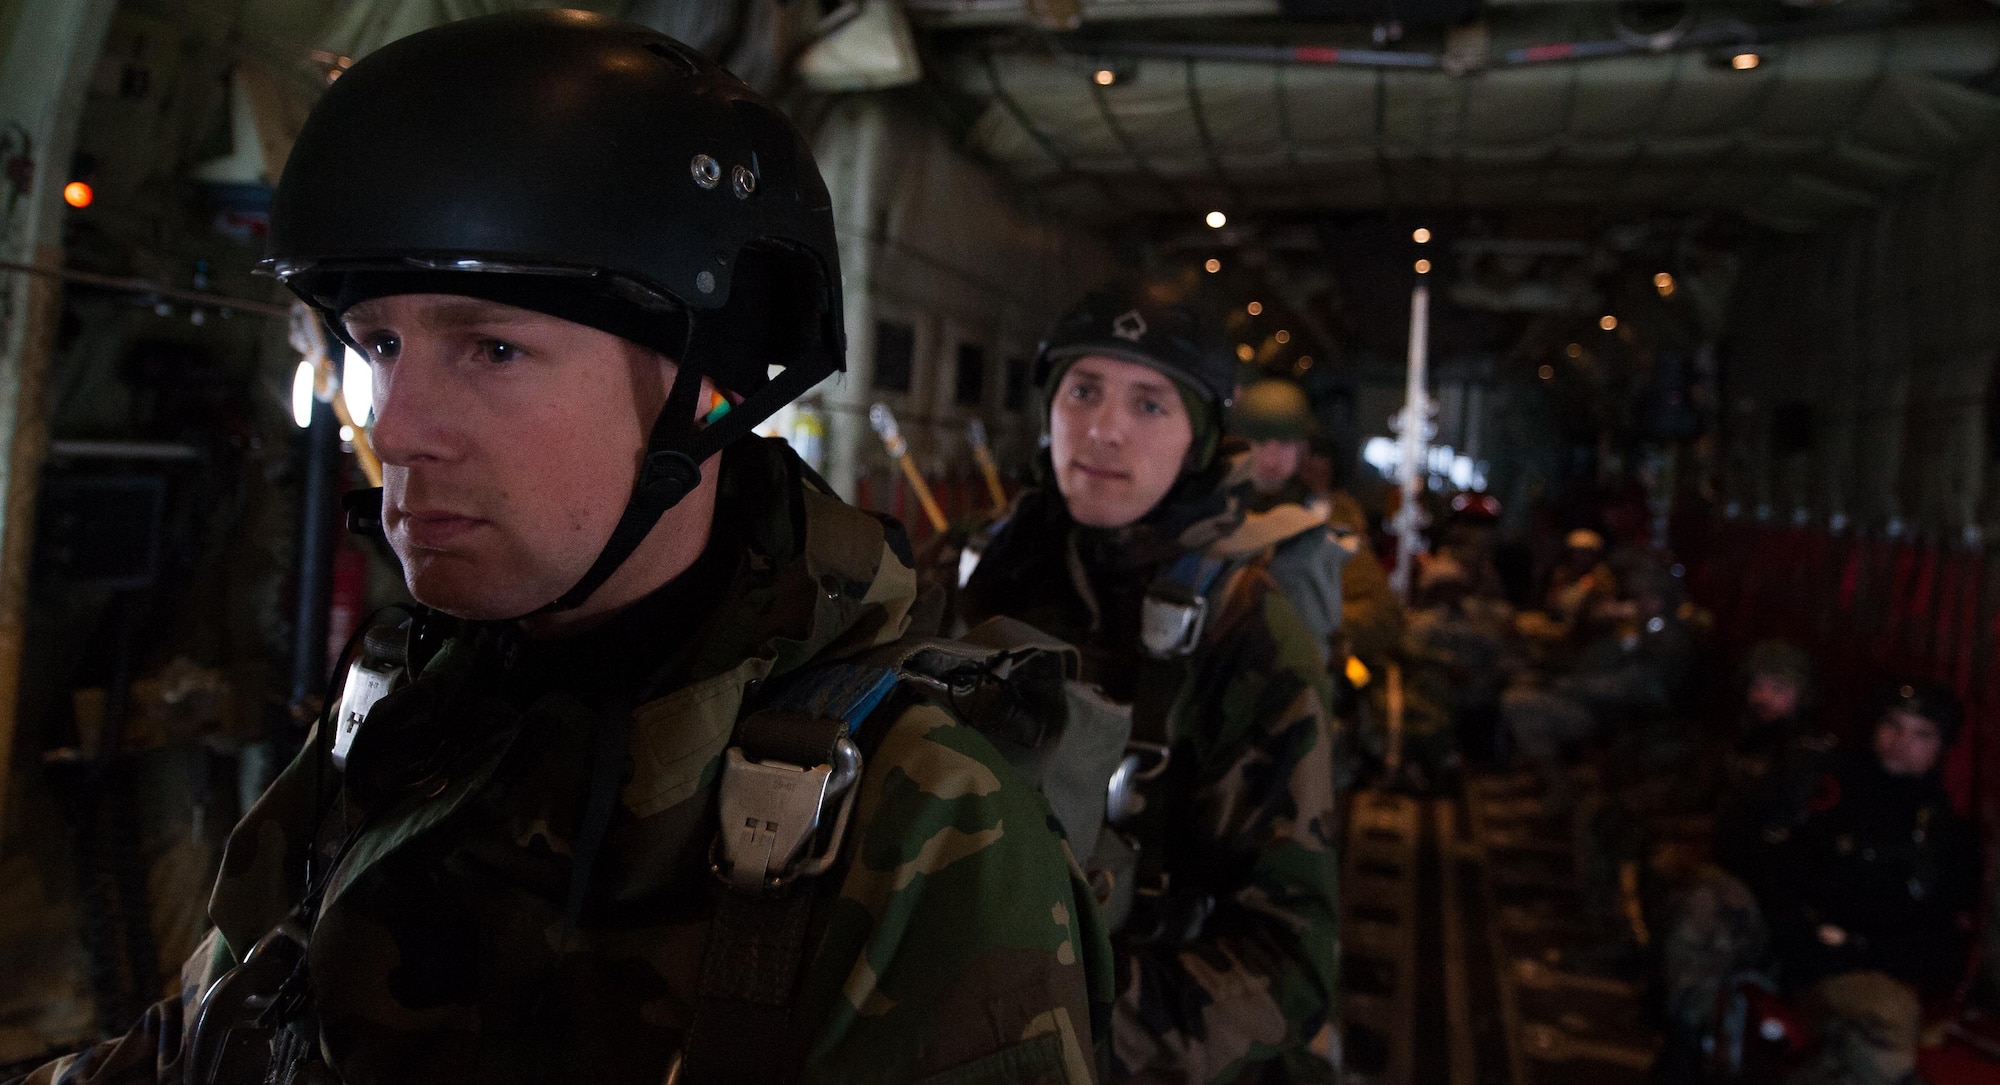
(1267, 119)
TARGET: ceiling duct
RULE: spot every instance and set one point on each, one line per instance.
(1003, 13)
(874, 50)
(1409, 13)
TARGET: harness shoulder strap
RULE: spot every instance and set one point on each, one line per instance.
(788, 783)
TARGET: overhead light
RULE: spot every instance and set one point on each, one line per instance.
(1421, 237)
(1255, 308)
(1104, 77)
(1574, 350)
(1245, 352)
(1423, 267)
(1217, 219)
(1282, 336)
(1745, 60)
(78, 194)
(1212, 266)
(1305, 362)
(1382, 454)
(1664, 283)
(1607, 322)
(1547, 372)
(302, 395)
(357, 387)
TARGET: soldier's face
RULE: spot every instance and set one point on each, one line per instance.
(1772, 698)
(510, 441)
(1119, 435)
(1907, 744)
(1273, 463)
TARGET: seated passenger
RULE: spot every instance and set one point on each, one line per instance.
(1579, 586)
(1777, 730)
(1467, 537)
(1857, 890)
(1217, 869)
(1637, 670)
(1666, 784)
(1456, 659)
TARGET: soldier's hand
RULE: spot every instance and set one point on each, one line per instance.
(1830, 935)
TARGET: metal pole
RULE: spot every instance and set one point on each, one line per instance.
(884, 421)
(316, 543)
(1415, 444)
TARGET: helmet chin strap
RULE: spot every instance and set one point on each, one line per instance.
(667, 473)
(671, 468)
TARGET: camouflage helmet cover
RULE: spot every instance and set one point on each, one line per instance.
(1274, 409)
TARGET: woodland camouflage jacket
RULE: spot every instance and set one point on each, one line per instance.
(1251, 817)
(959, 942)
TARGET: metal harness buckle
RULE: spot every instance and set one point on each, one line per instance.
(772, 812)
(1170, 627)
(1143, 763)
(367, 683)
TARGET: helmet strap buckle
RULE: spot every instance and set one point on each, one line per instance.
(670, 473)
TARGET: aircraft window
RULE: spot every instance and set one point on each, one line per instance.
(895, 349)
(1017, 384)
(970, 387)
(1792, 427)
(1993, 412)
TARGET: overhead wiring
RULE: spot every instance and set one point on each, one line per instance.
(1140, 162)
(1206, 138)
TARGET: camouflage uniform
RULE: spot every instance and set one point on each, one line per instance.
(953, 935)
(1371, 617)
(1370, 626)
(1712, 931)
(1244, 972)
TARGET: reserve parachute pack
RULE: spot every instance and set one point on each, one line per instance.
(1114, 802)
(789, 783)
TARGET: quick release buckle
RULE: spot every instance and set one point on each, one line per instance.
(1124, 793)
(1169, 626)
(367, 683)
(669, 468)
(772, 813)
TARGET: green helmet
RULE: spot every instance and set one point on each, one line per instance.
(1274, 410)
(1780, 659)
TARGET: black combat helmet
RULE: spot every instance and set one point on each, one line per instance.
(1933, 701)
(587, 168)
(1125, 324)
